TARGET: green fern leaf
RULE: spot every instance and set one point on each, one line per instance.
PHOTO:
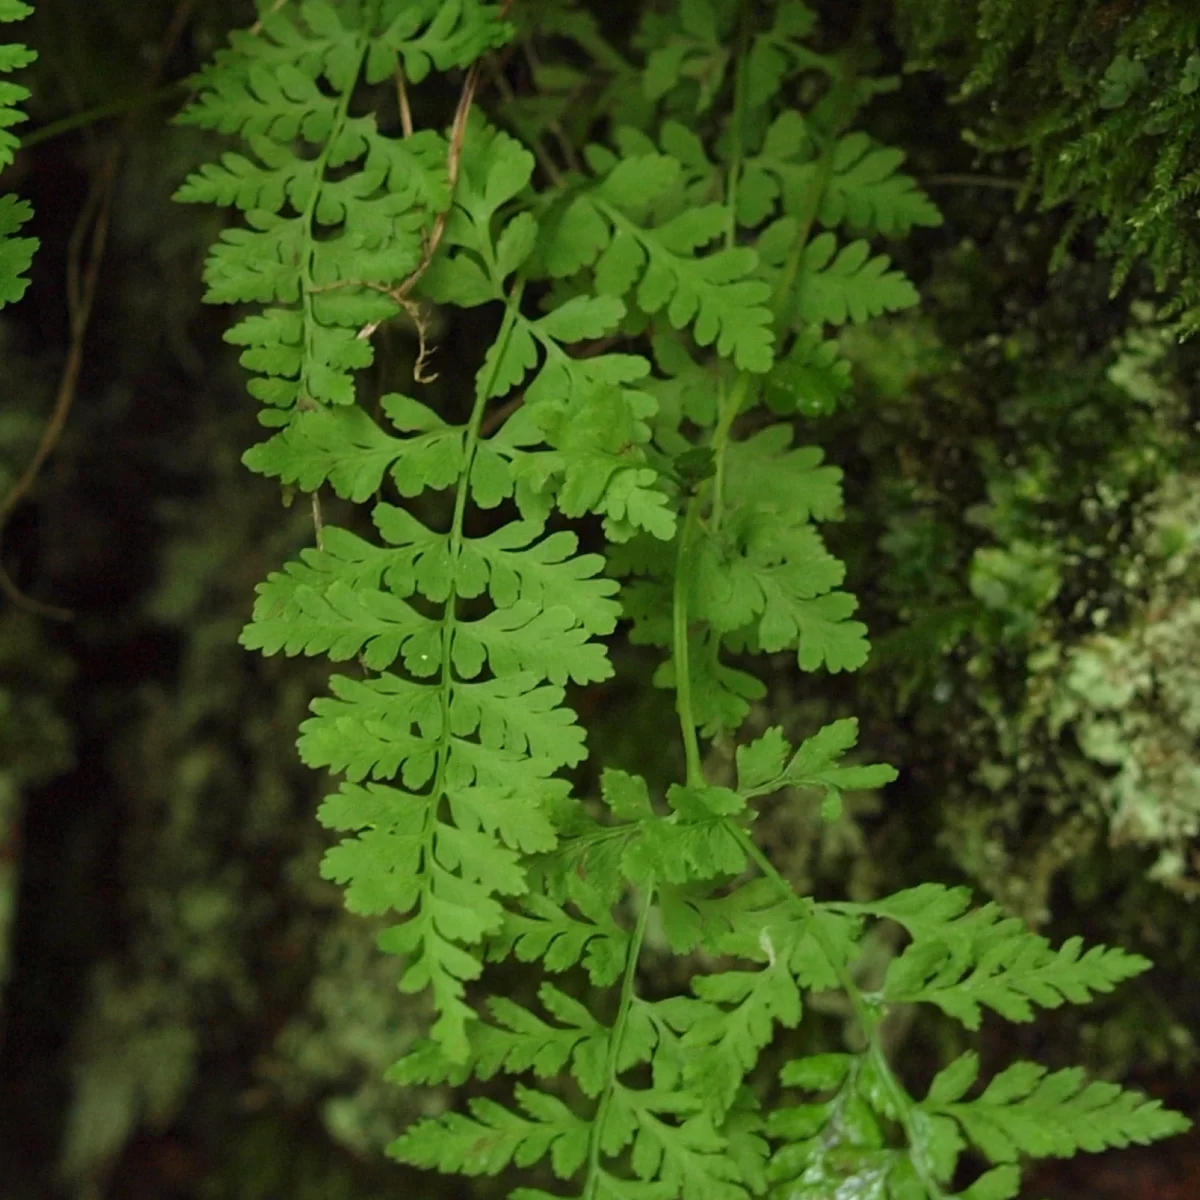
(340, 621)
(779, 52)
(843, 285)
(13, 57)
(583, 409)
(526, 726)
(712, 294)
(547, 931)
(345, 448)
(476, 756)
(16, 253)
(963, 959)
(1025, 1110)
(546, 571)
(817, 763)
(389, 867)
(867, 194)
(763, 767)
(700, 846)
(440, 34)
(723, 1036)
(492, 1137)
(809, 379)
(693, 49)
(596, 465)
(1000, 1183)
(320, 247)
(690, 1159)
(1007, 968)
(765, 472)
(518, 1040)
(456, 825)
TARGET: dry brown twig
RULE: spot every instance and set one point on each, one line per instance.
(406, 121)
(257, 27)
(401, 292)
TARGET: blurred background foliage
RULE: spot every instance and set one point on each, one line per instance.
(186, 1010)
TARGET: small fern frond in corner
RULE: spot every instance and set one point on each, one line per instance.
(16, 253)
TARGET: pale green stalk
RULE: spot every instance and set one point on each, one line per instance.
(611, 1082)
(864, 1014)
(511, 314)
(732, 402)
(683, 663)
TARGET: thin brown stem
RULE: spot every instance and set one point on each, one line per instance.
(257, 27)
(453, 163)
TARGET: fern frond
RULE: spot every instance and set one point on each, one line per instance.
(809, 379)
(692, 44)
(516, 1041)
(545, 931)
(583, 409)
(16, 253)
(450, 749)
(458, 827)
(320, 251)
(763, 581)
(780, 580)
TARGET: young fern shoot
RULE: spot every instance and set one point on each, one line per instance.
(710, 245)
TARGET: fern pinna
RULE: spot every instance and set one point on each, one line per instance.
(16, 253)
(710, 247)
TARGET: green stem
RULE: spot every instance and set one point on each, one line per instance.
(737, 395)
(682, 645)
(617, 1034)
(864, 1014)
(737, 152)
(810, 206)
(731, 404)
(101, 112)
(512, 313)
(450, 612)
(843, 109)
